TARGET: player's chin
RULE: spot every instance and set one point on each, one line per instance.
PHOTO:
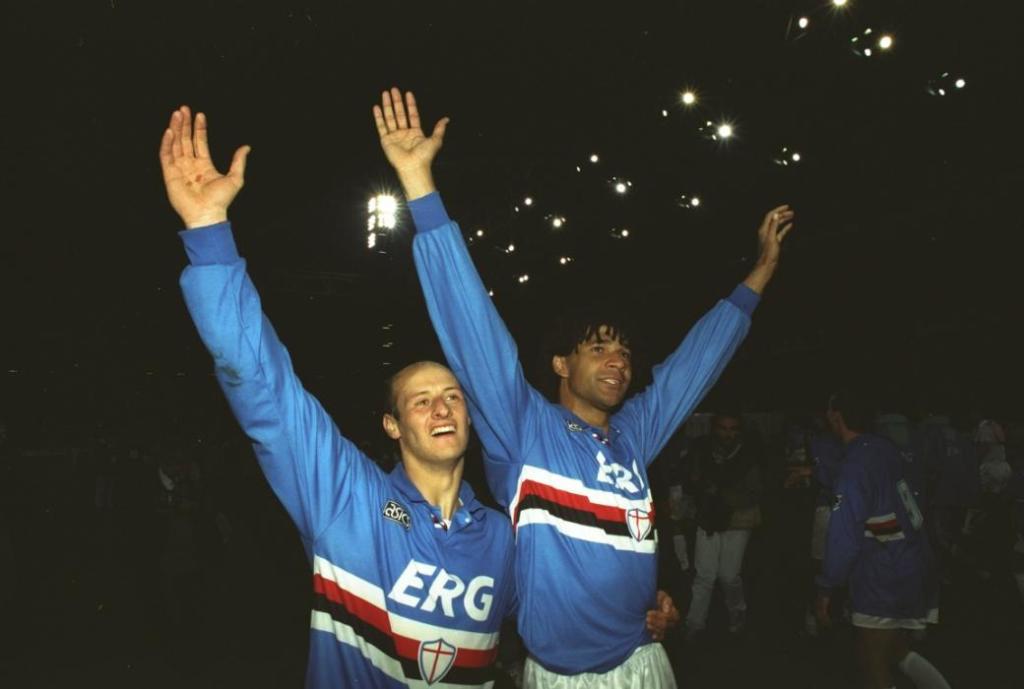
(450, 447)
(612, 399)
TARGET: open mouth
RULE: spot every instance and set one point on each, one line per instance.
(613, 382)
(442, 430)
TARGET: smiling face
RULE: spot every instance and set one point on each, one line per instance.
(595, 377)
(432, 423)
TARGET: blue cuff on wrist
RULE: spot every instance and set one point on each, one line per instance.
(210, 245)
(428, 212)
(745, 299)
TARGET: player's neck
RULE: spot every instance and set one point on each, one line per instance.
(438, 484)
(598, 418)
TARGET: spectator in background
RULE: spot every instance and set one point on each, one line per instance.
(725, 479)
(953, 485)
(988, 524)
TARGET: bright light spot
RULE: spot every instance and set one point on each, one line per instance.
(803, 22)
(689, 98)
(620, 187)
(795, 157)
(528, 201)
(942, 92)
(579, 169)
(664, 113)
(371, 240)
(524, 278)
(594, 158)
(490, 292)
(867, 52)
(511, 248)
(838, 3)
(557, 222)
(885, 42)
(960, 83)
(479, 233)
(565, 260)
(724, 130)
(695, 201)
(383, 210)
(625, 233)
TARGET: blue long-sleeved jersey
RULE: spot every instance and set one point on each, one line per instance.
(876, 540)
(827, 455)
(398, 601)
(580, 501)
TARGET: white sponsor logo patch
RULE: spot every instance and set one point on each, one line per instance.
(397, 513)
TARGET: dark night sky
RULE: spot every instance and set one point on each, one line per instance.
(904, 264)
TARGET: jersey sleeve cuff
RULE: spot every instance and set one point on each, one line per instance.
(745, 299)
(428, 212)
(209, 245)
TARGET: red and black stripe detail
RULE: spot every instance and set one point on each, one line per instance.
(575, 508)
(472, 667)
(890, 527)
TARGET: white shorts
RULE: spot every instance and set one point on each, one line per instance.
(819, 532)
(647, 668)
(875, 622)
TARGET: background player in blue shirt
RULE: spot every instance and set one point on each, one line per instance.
(572, 475)
(411, 576)
(877, 545)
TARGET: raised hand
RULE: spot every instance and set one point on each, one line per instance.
(408, 150)
(197, 191)
(776, 225)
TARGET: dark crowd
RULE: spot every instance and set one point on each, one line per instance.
(167, 561)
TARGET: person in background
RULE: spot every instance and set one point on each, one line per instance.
(877, 545)
(725, 478)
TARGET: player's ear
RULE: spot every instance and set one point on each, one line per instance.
(391, 427)
(560, 366)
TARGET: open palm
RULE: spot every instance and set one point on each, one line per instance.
(401, 136)
(197, 191)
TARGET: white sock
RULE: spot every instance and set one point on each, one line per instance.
(923, 673)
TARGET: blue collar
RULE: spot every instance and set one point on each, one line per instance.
(577, 425)
(469, 504)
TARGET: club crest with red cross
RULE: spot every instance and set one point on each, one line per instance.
(639, 523)
(436, 658)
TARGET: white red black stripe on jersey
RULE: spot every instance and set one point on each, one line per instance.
(574, 510)
(354, 611)
(884, 528)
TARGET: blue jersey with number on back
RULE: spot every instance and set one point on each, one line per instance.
(580, 500)
(876, 539)
(398, 601)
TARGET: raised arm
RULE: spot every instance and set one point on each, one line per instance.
(306, 460)
(685, 377)
(478, 346)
